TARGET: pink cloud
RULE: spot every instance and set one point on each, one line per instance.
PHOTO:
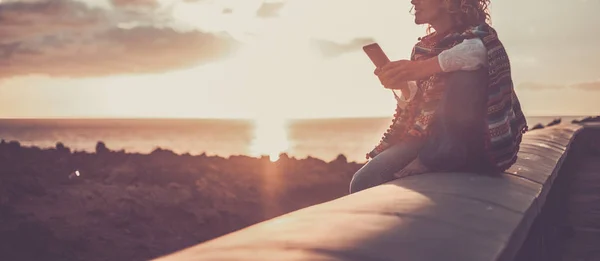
(67, 38)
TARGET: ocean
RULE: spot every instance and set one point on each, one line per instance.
(320, 138)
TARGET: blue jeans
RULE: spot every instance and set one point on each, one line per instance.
(456, 141)
(382, 168)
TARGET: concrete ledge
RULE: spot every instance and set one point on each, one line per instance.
(436, 216)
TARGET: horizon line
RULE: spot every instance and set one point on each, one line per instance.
(229, 118)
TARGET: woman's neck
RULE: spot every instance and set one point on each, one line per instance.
(442, 25)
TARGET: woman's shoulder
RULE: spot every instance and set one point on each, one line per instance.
(478, 31)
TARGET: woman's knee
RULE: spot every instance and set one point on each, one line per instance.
(364, 179)
(381, 169)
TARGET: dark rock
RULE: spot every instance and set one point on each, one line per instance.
(162, 152)
(192, 198)
(60, 147)
(314, 161)
(123, 174)
(554, 122)
(101, 148)
(340, 159)
(591, 119)
(537, 127)
(284, 157)
(14, 145)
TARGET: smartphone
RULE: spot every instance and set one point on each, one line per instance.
(376, 54)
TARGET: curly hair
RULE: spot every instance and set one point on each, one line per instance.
(466, 13)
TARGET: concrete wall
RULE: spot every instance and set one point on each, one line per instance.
(436, 216)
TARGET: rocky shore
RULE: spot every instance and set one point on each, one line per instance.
(58, 204)
(109, 205)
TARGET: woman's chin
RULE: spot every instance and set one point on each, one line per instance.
(419, 19)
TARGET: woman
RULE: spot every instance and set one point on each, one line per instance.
(457, 109)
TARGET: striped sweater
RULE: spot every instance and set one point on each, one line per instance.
(504, 123)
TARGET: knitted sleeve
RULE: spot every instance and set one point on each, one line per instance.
(469, 55)
(403, 101)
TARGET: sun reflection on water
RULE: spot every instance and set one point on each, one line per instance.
(270, 138)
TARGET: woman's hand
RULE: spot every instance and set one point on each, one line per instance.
(398, 72)
(388, 85)
(402, 85)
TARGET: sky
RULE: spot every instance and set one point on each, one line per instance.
(264, 59)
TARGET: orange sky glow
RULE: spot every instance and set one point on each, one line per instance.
(262, 59)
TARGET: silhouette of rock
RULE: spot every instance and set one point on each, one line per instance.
(313, 160)
(590, 119)
(537, 127)
(162, 152)
(14, 145)
(60, 147)
(284, 157)
(341, 158)
(101, 148)
(554, 122)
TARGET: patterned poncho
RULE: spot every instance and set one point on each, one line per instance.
(504, 122)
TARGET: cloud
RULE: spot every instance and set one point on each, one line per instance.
(331, 49)
(69, 38)
(135, 3)
(589, 86)
(25, 20)
(117, 51)
(540, 86)
(268, 10)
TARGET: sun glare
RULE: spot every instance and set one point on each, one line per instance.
(270, 138)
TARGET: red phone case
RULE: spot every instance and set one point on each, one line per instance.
(376, 54)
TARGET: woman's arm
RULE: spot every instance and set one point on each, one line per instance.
(469, 55)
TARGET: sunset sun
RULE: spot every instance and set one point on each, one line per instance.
(270, 138)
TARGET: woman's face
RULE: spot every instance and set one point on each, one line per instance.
(427, 11)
